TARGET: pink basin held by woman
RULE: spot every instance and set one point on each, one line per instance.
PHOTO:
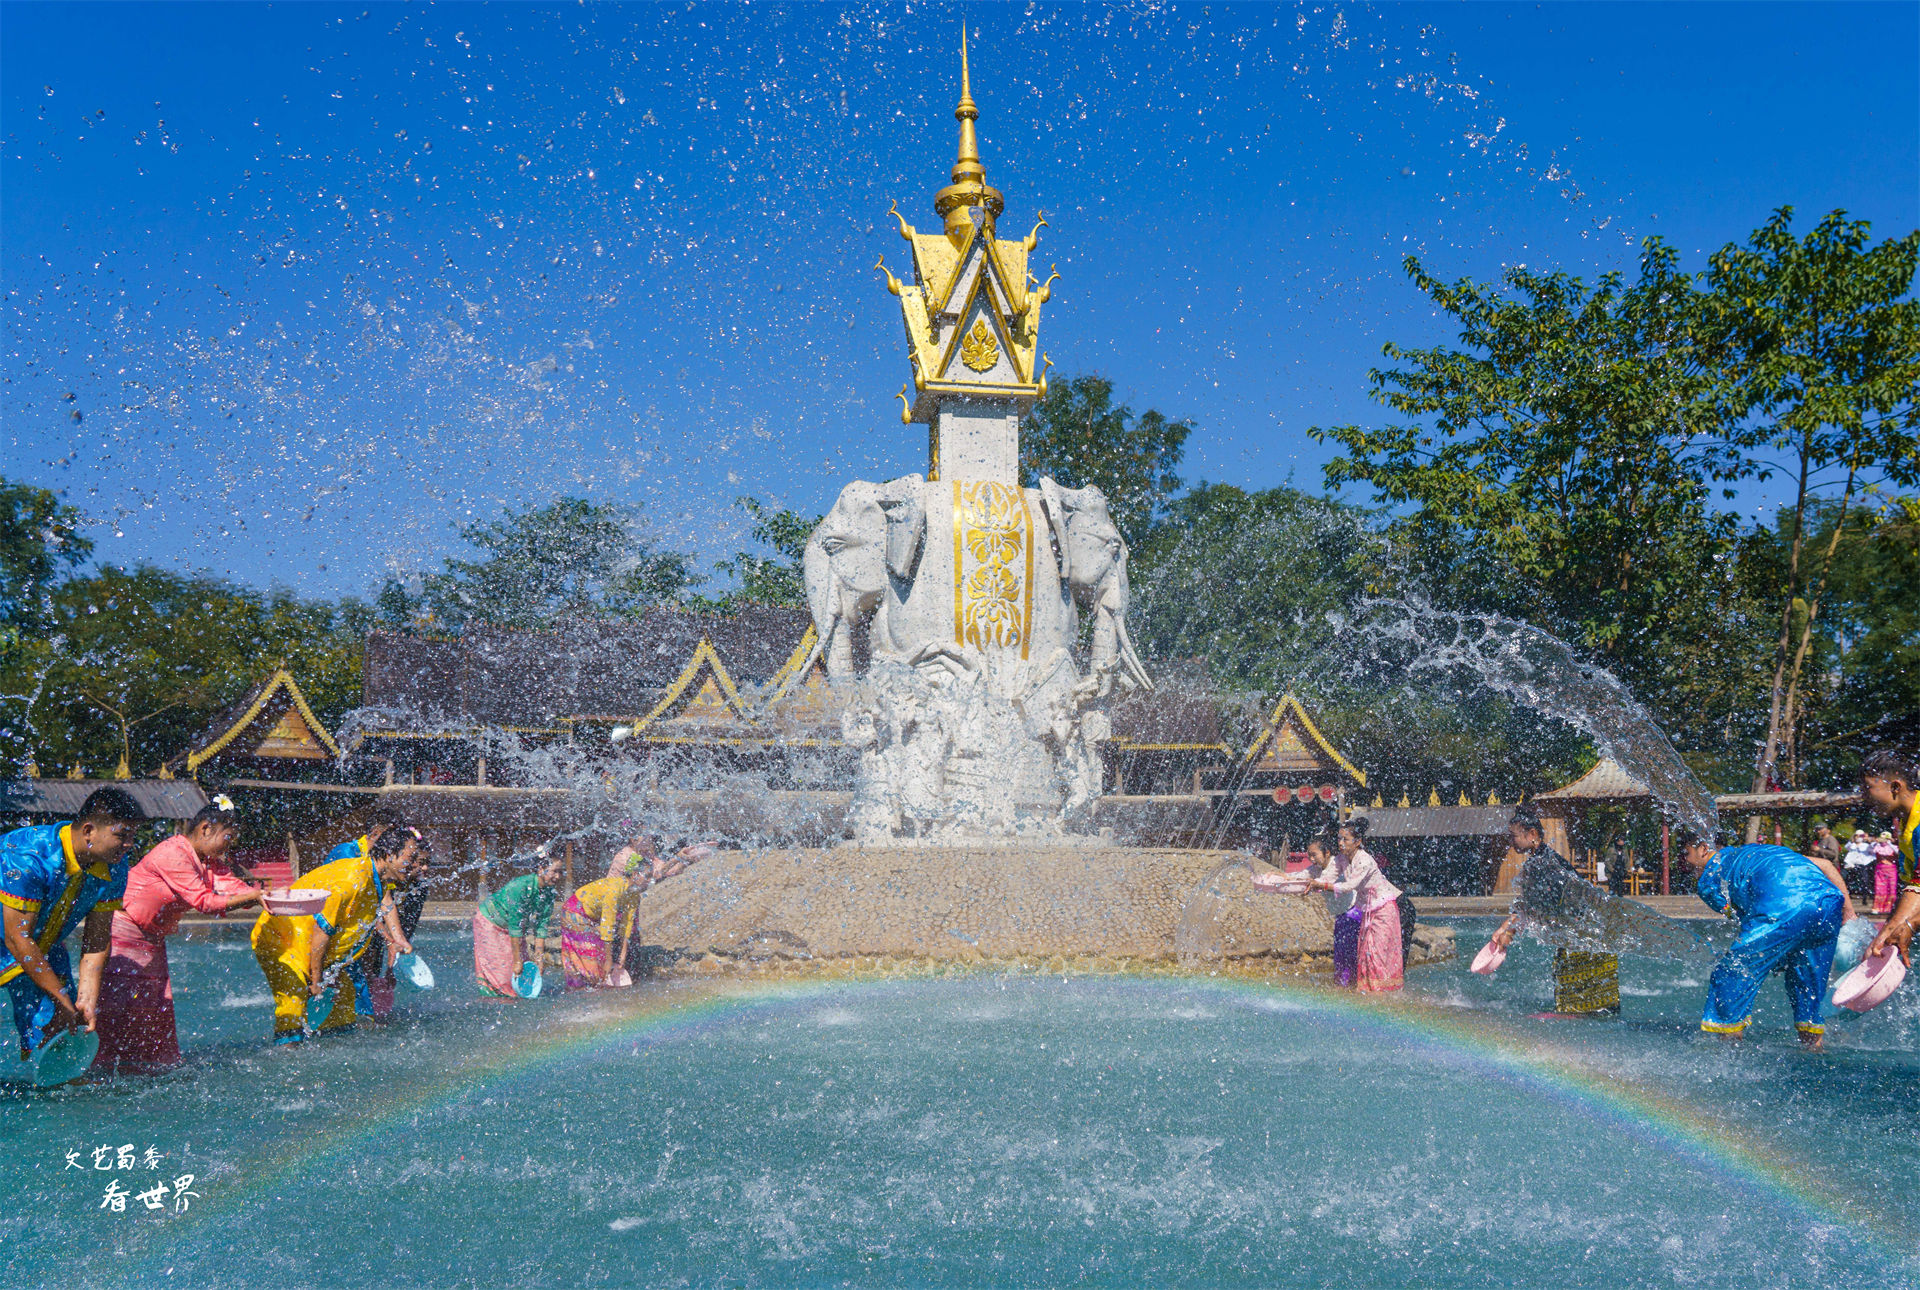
(1489, 958)
(296, 901)
(1868, 985)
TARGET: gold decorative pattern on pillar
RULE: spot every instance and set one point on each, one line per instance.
(980, 350)
(992, 566)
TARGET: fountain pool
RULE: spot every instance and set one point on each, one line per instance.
(987, 1129)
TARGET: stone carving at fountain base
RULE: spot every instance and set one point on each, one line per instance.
(946, 758)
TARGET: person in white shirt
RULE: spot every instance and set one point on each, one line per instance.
(1379, 962)
(1856, 866)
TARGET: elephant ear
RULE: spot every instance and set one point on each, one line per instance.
(906, 525)
(1054, 499)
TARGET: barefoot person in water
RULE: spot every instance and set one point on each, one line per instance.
(1791, 908)
(1584, 983)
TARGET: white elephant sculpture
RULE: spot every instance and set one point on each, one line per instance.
(968, 594)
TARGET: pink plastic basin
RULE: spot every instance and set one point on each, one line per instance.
(1489, 958)
(1868, 985)
(295, 901)
(1292, 884)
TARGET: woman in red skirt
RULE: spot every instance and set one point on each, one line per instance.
(187, 871)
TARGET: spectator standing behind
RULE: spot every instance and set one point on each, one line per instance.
(1886, 873)
(53, 878)
(1856, 866)
(187, 871)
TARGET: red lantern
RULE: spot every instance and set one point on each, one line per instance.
(1328, 792)
(1303, 794)
(1282, 795)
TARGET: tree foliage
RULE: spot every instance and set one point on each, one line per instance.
(152, 656)
(1078, 436)
(1824, 345)
(777, 579)
(40, 540)
(570, 558)
(1561, 459)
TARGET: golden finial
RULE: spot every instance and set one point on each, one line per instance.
(969, 188)
(906, 229)
(893, 283)
(1045, 363)
(906, 408)
(1033, 238)
(1046, 288)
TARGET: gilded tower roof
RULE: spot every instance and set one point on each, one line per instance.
(972, 310)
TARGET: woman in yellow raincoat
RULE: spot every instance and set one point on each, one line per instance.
(296, 951)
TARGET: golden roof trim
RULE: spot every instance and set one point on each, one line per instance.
(281, 679)
(703, 653)
(1274, 722)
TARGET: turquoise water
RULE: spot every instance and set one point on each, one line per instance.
(987, 1131)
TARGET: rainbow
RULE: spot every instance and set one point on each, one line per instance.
(1488, 1048)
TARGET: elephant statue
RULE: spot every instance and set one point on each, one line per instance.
(868, 543)
(968, 711)
(1092, 560)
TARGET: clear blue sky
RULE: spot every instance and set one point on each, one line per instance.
(325, 281)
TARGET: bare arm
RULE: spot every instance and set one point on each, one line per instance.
(317, 955)
(20, 944)
(1898, 932)
(96, 940)
(1833, 876)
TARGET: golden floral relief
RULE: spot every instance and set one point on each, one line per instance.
(980, 350)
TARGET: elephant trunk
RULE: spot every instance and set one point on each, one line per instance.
(835, 642)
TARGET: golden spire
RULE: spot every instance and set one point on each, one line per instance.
(969, 187)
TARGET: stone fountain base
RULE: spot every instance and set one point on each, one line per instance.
(859, 909)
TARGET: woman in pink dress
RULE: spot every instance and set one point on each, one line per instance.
(1886, 873)
(187, 871)
(1379, 965)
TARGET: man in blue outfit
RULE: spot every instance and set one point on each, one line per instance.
(1791, 907)
(53, 878)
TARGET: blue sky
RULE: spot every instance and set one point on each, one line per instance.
(325, 282)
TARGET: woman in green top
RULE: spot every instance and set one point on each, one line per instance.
(501, 926)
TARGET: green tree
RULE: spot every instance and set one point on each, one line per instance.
(1561, 459)
(570, 558)
(136, 663)
(770, 580)
(1826, 349)
(1078, 436)
(40, 541)
(1247, 580)
(1862, 663)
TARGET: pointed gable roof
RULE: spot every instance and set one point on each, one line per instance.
(703, 694)
(273, 722)
(1291, 744)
